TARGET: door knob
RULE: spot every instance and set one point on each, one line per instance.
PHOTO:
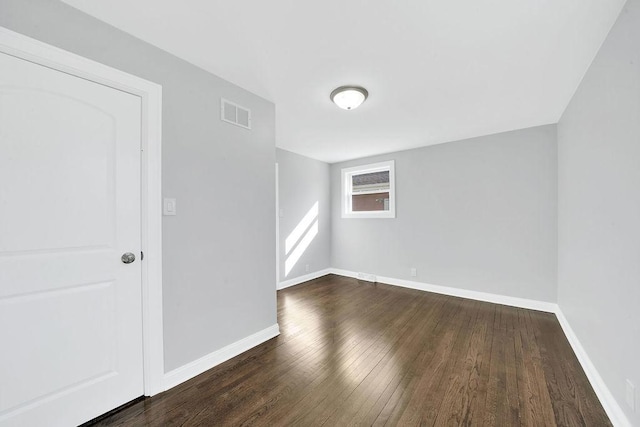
(128, 257)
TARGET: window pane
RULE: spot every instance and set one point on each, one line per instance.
(372, 181)
(370, 202)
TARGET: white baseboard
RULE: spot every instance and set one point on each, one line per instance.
(609, 403)
(345, 273)
(190, 370)
(302, 279)
(531, 304)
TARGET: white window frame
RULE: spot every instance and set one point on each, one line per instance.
(347, 190)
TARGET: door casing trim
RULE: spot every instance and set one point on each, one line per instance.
(35, 51)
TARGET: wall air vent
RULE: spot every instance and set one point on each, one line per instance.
(235, 114)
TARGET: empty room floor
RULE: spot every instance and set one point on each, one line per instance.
(357, 353)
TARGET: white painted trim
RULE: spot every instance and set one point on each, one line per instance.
(277, 226)
(195, 368)
(531, 304)
(32, 50)
(301, 279)
(152, 309)
(346, 190)
(609, 403)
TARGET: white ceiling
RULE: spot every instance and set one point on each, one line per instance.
(436, 70)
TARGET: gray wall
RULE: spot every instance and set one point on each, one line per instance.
(303, 182)
(478, 214)
(219, 256)
(599, 209)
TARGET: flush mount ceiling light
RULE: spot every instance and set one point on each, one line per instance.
(349, 97)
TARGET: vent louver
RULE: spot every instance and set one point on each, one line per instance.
(235, 114)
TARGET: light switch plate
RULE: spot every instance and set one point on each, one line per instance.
(169, 207)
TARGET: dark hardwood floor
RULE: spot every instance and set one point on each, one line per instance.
(356, 353)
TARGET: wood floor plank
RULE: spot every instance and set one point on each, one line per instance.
(432, 369)
(461, 391)
(533, 386)
(352, 398)
(350, 372)
(501, 405)
(351, 351)
(356, 353)
(360, 407)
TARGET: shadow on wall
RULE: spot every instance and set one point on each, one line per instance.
(300, 238)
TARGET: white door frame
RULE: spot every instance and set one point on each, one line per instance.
(32, 50)
(277, 226)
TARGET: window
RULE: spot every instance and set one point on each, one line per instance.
(369, 191)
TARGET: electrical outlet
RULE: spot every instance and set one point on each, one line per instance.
(631, 395)
(414, 272)
(306, 268)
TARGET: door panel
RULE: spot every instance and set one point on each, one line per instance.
(48, 166)
(88, 349)
(70, 310)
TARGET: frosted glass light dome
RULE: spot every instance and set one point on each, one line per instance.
(349, 97)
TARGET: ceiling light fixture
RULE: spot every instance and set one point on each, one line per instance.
(349, 97)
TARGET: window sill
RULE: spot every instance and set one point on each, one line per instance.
(382, 214)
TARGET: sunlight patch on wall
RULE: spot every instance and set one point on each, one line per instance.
(302, 226)
(298, 241)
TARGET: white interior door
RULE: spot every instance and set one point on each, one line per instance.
(70, 309)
